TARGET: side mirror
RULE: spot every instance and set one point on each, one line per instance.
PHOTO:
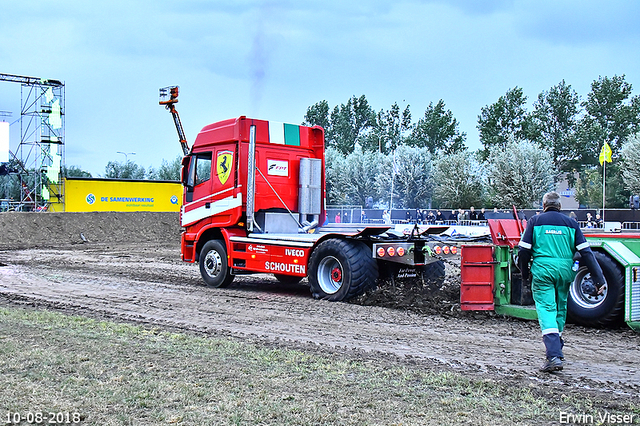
(184, 172)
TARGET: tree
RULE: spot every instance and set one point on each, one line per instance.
(502, 120)
(166, 171)
(318, 115)
(409, 172)
(438, 130)
(589, 188)
(349, 123)
(360, 169)
(334, 176)
(458, 180)
(553, 124)
(613, 115)
(126, 170)
(390, 129)
(630, 154)
(520, 174)
(75, 171)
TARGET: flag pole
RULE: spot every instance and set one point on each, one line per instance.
(605, 157)
(604, 173)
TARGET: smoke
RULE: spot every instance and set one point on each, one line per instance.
(262, 49)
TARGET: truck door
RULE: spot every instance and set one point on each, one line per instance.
(198, 185)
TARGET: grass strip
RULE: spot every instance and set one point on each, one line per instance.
(122, 374)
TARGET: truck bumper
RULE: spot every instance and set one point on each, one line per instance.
(187, 249)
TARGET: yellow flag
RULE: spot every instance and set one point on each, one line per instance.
(605, 154)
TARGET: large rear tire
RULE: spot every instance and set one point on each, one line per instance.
(341, 269)
(601, 310)
(214, 266)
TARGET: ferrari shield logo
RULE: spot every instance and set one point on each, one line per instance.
(223, 165)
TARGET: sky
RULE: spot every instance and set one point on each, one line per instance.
(273, 59)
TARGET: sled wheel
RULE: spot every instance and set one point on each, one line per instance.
(213, 264)
(341, 269)
(605, 309)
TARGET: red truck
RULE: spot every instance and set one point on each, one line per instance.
(254, 202)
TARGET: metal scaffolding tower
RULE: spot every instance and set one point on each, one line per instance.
(39, 158)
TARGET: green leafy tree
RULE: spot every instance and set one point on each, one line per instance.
(588, 188)
(612, 114)
(409, 173)
(167, 170)
(502, 120)
(438, 130)
(126, 170)
(318, 115)
(350, 123)
(458, 180)
(334, 176)
(553, 124)
(391, 128)
(75, 171)
(520, 174)
(9, 187)
(9, 179)
(630, 154)
(360, 169)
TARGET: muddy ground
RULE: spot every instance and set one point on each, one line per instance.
(127, 267)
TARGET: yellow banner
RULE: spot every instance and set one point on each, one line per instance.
(112, 195)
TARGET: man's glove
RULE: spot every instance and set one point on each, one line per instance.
(599, 283)
(591, 288)
(524, 256)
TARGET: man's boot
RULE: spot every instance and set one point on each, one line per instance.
(553, 344)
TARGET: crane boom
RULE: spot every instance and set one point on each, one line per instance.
(171, 93)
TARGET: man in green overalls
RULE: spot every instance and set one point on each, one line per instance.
(552, 240)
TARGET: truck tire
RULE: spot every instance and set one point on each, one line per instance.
(602, 310)
(341, 269)
(214, 266)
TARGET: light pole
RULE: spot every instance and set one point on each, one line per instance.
(126, 155)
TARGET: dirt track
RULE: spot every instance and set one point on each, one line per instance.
(146, 282)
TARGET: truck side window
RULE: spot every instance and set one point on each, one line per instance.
(203, 167)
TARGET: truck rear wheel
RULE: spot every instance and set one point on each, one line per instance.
(601, 310)
(214, 266)
(341, 269)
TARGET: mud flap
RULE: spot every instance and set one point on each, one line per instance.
(410, 275)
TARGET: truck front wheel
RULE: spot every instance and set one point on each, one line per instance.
(341, 269)
(601, 310)
(214, 267)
